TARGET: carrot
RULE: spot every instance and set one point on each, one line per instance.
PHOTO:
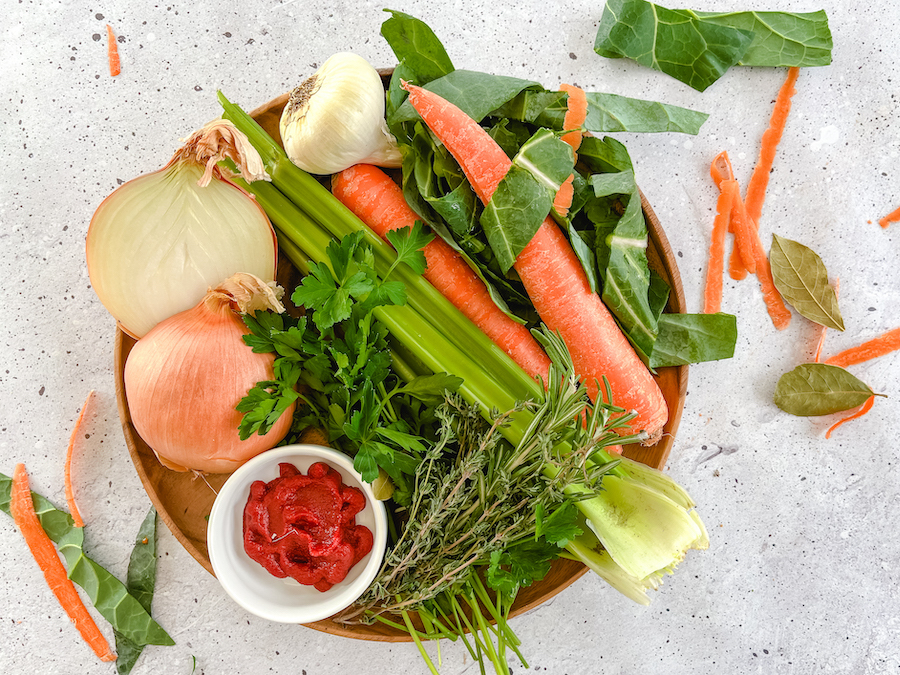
(44, 552)
(712, 295)
(737, 270)
(70, 493)
(112, 52)
(576, 114)
(759, 180)
(552, 274)
(721, 172)
(879, 346)
(378, 201)
(892, 217)
(563, 199)
(863, 409)
(823, 330)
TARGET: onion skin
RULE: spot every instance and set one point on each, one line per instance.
(182, 382)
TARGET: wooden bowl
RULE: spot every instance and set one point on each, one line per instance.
(184, 500)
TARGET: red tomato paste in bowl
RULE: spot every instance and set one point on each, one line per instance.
(304, 526)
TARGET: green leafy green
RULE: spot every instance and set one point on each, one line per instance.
(108, 594)
(140, 582)
(693, 338)
(819, 389)
(780, 38)
(675, 42)
(624, 268)
(698, 47)
(606, 113)
(801, 278)
(417, 47)
(515, 212)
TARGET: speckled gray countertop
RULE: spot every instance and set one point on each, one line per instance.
(802, 573)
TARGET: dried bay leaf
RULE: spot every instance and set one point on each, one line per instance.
(801, 278)
(819, 389)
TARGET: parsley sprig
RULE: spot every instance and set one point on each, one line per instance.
(335, 363)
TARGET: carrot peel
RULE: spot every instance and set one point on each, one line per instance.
(712, 295)
(879, 346)
(863, 409)
(576, 114)
(44, 552)
(892, 217)
(70, 493)
(112, 52)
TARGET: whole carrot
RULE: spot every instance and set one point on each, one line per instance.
(378, 201)
(552, 275)
(44, 552)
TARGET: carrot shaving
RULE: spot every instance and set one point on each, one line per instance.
(863, 409)
(712, 295)
(737, 270)
(879, 346)
(70, 493)
(824, 329)
(778, 311)
(892, 217)
(576, 114)
(759, 180)
(44, 552)
(563, 199)
(112, 52)
(745, 237)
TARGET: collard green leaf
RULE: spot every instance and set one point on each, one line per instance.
(606, 113)
(141, 583)
(514, 214)
(611, 112)
(693, 338)
(550, 160)
(801, 278)
(780, 38)
(476, 94)
(416, 45)
(604, 155)
(108, 594)
(819, 389)
(698, 47)
(622, 255)
(675, 42)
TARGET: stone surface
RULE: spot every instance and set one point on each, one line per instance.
(803, 569)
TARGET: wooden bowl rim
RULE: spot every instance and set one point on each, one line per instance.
(569, 570)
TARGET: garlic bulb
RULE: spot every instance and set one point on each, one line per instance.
(335, 119)
(184, 378)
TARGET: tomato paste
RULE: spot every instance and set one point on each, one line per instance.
(304, 526)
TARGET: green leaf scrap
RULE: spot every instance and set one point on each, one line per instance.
(819, 389)
(693, 338)
(141, 583)
(801, 278)
(698, 47)
(416, 45)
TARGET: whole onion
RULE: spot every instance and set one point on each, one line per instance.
(184, 378)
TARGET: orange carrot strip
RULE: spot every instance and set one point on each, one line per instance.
(879, 346)
(563, 199)
(721, 172)
(70, 493)
(44, 552)
(712, 295)
(823, 330)
(737, 270)
(759, 180)
(112, 52)
(378, 201)
(576, 114)
(778, 311)
(552, 275)
(863, 409)
(892, 217)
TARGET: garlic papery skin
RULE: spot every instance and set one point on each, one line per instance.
(160, 241)
(185, 377)
(335, 119)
